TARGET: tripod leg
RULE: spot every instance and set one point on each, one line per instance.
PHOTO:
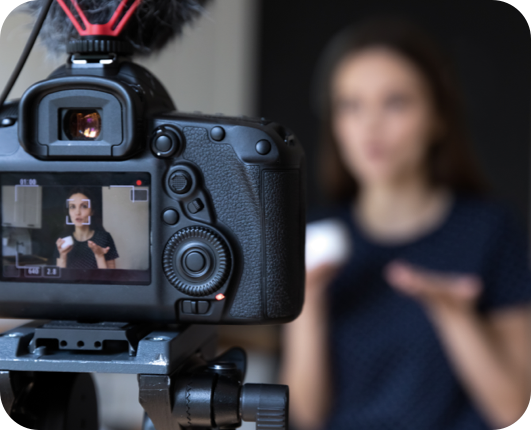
(55, 401)
(6, 391)
(148, 424)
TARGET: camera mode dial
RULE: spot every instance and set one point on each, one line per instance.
(196, 261)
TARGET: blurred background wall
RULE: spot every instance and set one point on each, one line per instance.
(257, 57)
(210, 69)
(488, 40)
(128, 223)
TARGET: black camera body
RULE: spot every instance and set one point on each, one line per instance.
(191, 218)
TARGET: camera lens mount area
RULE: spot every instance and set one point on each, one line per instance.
(196, 261)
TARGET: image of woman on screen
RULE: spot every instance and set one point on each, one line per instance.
(85, 244)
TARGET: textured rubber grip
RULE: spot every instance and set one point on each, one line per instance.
(264, 209)
(283, 247)
(235, 190)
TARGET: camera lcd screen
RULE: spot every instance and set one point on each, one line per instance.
(86, 228)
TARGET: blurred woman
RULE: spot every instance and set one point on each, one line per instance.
(427, 324)
(89, 245)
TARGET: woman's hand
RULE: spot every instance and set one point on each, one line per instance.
(489, 353)
(61, 260)
(62, 251)
(99, 253)
(98, 250)
(305, 342)
(319, 278)
(438, 292)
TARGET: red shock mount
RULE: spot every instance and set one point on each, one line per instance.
(112, 28)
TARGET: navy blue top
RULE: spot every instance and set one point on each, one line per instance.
(82, 257)
(390, 371)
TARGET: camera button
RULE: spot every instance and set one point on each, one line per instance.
(195, 262)
(203, 307)
(188, 307)
(163, 144)
(192, 307)
(217, 133)
(195, 206)
(263, 147)
(166, 142)
(170, 216)
(180, 182)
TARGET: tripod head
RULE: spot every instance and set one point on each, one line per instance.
(45, 378)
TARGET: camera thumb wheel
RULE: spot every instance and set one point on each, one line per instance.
(196, 261)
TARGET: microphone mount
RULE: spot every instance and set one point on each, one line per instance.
(100, 38)
(113, 28)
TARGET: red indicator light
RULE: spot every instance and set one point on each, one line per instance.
(139, 182)
(220, 297)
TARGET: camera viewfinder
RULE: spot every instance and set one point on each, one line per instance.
(82, 124)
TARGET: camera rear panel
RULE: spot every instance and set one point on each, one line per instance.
(210, 214)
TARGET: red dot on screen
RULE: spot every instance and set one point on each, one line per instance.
(139, 182)
(220, 297)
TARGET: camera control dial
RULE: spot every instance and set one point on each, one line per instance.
(196, 261)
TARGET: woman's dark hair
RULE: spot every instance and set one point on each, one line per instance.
(96, 219)
(449, 159)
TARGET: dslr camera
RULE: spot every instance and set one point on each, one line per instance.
(116, 207)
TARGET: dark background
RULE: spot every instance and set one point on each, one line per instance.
(488, 41)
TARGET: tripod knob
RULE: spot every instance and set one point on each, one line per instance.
(267, 405)
(211, 395)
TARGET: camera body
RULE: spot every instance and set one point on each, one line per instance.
(191, 218)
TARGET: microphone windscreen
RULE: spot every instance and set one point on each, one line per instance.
(153, 25)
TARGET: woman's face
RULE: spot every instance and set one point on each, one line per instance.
(79, 209)
(383, 118)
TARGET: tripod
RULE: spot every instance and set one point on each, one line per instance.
(45, 381)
